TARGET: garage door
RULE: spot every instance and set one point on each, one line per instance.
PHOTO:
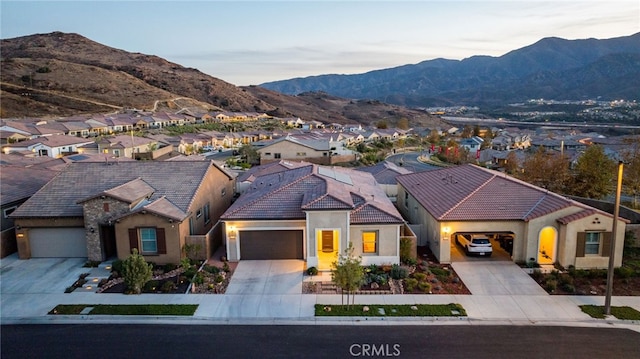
(57, 242)
(271, 245)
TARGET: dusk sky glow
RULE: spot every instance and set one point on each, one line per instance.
(251, 42)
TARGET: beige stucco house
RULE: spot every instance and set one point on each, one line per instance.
(104, 210)
(312, 213)
(547, 228)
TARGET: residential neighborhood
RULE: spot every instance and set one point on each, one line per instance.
(278, 209)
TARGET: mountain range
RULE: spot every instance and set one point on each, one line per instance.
(552, 68)
(64, 74)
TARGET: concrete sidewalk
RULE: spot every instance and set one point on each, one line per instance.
(27, 297)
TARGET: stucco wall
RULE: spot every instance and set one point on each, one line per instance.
(290, 151)
(596, 222)
(173, 237)
(388, 243)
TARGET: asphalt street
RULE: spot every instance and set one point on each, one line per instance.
(315, 341)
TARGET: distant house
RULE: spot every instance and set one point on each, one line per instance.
(546, 228)
(53, 146)
(385, 174)
(104, 210)
(321, 151)
(313, 213)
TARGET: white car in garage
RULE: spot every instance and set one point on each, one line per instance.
(475, 244)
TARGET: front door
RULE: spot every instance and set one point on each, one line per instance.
(547, 242)
(327, 244)
(108, 238)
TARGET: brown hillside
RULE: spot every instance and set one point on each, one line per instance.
(61, 74)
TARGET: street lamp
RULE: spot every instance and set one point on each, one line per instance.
(616, 213)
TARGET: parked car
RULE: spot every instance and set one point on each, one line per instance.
(475, 244)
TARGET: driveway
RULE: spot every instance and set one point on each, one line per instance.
(267, 277)
(39, 275)
(496, 278)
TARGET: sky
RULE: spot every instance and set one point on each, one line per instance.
(252, 42)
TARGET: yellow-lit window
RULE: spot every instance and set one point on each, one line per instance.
(370, 242)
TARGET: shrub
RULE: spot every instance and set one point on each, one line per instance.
(218, 279)
(168, 287)
(569, 288)
(211, 269)
(91, 264)
(136, 272)
(424, 287)
(189, 273)
(43, 70)
(312, 271)
(565, 279)
(550, 285)
(597, 273)
(225, 267)
(169, 267)
(151, 286)
(116, 266)
(198, 279)
(537, 275)
(410, 284)
(398, 272)
(374, 269)
(410, 261)
(420, 277)
(405, 250)
(439, 271)
(624, 272)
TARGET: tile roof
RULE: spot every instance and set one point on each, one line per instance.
(576, 216)
(19, 183)
(469, 192)
(288, 194)
(176, 182)
(385, 172)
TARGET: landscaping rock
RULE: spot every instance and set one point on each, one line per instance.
(414, 307)
(381, 311)
(365, 309)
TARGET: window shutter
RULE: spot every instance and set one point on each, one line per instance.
(161, 241)
(582, 237)
(133, 239)
(606, 244)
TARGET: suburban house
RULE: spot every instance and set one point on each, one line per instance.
(17, 184)
(321, 150)
(313, 213)
(101, 210)
(53, 146)
(385, 174)
(546, 228)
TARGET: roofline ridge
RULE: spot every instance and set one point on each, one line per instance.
(276, 191)
(468, 196)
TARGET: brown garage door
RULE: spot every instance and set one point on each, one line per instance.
(271, 245)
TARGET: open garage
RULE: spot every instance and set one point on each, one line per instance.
(69, 242)
(501, 245)
(271, 244)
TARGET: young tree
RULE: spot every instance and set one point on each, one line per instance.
(347, 272)
(434, 137)
(593, 174)
(136, 272)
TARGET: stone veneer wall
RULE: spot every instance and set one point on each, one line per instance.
(94, 216)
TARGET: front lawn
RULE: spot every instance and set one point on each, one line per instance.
(406, 310)
(126, 309)
(597, 311)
